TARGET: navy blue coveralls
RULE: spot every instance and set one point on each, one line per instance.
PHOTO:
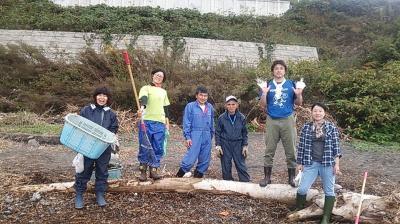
(105, 117)
(231, 135)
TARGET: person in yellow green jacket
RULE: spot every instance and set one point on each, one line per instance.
(154, 104)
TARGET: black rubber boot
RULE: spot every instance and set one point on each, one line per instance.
(197, 174)
(101, 200)
(79, 202)
(300, 201)
(267, 176)
(143, 172)
(180, 173)
(328, 207)
(154, 173)
(291, 176)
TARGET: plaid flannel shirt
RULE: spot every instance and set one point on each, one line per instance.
(331, 145)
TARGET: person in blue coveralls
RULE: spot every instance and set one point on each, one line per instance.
(155, 100)
(278, 99)
(231, 140)
(100, 113)
(198, 131)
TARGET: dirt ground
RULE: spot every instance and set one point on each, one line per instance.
(22, 164)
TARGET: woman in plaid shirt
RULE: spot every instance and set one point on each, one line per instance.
(318, 153)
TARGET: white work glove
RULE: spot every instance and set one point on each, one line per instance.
(261, 83)
(141, 111)
(298, 178)
(245, 151)
(300, 84)
(219, 151)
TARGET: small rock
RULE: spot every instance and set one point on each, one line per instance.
(8, 199)
(33, 142)
(44, 202)
(36, 196)
(7, 212)
(51, 210)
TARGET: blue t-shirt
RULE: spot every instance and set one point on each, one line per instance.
(280, 106)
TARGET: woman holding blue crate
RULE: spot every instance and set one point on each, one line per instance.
(318, 154)
(100, 113)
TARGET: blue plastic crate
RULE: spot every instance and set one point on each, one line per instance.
(85, 136)
(114, 173)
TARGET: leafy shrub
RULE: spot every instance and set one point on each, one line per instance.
(364, 101)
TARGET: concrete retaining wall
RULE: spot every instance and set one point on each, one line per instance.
(68, 44)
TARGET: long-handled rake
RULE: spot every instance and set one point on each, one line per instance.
(142, 127)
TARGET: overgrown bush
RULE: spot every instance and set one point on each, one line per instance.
(364, 101)
(42, 85)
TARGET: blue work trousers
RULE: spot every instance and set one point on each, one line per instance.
(310, 174)
(233, 150)
(151, 148)
(200, 151)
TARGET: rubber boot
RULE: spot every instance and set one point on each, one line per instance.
(143, 172)
(328, 207)
(180, 173)
(300, 201)
(291, 176)
(267, 176)
(101, 201)
(154, 173)
(79, 203)
(197, 174)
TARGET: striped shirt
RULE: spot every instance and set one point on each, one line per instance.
(331, 144)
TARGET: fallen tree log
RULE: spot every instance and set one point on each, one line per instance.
(279, 192)
(373, 207)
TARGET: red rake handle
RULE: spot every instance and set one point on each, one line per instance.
(126, 57)
(128, 65)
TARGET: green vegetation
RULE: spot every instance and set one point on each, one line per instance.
(38, 129)
(372, 146)
(358, 75)
(30, 123)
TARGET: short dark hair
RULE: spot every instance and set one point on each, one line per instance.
(103, 90)
(278, 62)
(201, 89)
(320, 105)
(159, 70)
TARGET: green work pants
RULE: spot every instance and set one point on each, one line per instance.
(283, 129)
